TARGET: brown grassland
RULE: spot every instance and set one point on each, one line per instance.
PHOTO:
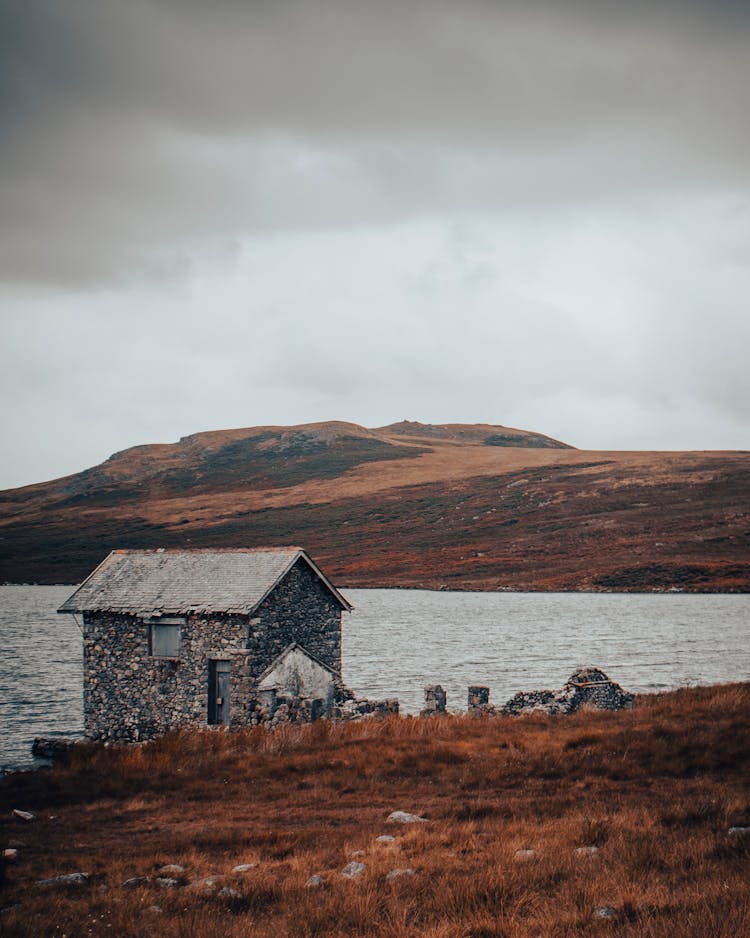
(655, 789)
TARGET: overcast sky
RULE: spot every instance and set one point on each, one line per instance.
(236, 213)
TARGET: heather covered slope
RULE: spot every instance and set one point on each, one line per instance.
(450, 506)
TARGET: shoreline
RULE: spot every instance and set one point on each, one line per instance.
(641, 697)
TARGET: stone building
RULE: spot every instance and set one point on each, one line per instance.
(201, 637)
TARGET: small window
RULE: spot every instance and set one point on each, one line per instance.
(164, 639)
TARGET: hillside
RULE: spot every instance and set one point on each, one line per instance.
(411, 505)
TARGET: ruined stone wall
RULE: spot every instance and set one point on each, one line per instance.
(300, 609)
(130, 695)
(586, 687)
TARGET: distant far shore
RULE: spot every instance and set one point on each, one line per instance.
(454, 588)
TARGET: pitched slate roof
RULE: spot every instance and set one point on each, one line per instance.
(176, 582)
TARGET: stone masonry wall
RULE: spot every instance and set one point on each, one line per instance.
(130, 695)
(302, 610)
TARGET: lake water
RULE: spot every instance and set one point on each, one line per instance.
(396, 641)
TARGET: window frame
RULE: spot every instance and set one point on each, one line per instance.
(165, 621)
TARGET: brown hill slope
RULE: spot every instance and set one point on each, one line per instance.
(451, 506)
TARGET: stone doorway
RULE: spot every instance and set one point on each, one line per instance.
(219, 688)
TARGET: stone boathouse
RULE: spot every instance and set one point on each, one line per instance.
(201, 637)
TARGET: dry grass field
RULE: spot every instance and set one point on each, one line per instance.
(655, 790)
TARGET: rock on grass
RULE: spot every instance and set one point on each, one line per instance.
(23, 815)
(396, 874)
(66, 879)
(403, 817)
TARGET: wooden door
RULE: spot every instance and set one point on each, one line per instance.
(219, 688)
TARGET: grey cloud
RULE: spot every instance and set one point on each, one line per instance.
(235, 213)
(133, 132)
(342, 66)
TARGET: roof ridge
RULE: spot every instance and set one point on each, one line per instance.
(288, 548)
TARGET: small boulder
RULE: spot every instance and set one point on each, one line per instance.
(228, 892)
(523, 855)
(403, 817)
(385, 839)
(167, 882)
(23, 815)
(10, 854)
(66, 879)
(45, 748)
(172, 869)
(207, 884)
(739, 831)
(136, 881)
(202, 886)
(243, 867)
(353, 869)
(314, 881)
(396, 874)
(605, 911)
(589, 851)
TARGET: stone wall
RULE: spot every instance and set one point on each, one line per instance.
(587, 687)
(130, 695)
(300, 609)
(296, 674)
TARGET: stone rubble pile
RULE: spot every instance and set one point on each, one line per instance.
(273, 709)
(586, 687)
(358, 709)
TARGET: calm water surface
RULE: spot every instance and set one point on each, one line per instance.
(396, 641)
